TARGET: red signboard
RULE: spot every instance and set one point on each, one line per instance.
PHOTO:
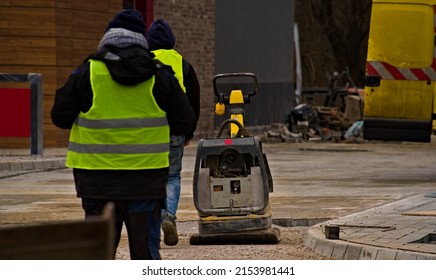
(14, 112)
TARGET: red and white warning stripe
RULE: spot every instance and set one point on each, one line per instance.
(388, 72)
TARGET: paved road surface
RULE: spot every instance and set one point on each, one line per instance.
(312, 182)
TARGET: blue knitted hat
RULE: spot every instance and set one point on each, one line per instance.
(128, 19)
(160, 35)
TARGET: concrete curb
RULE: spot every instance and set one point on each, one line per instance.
(15, 168)
(345, 250)
(32, 164)
(369, 242)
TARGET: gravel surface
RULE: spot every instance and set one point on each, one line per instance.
(290, 247)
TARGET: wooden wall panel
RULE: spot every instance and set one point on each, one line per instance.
(82, 49)
(64, 25)
(64, 52)
(81, 24)
(72, 52)
(47, 104)
(27, 51)
(103, 6)
(28, 3)
(28, 22)
(62, 74)
(90, 24)
(55, 137)
(51, 37)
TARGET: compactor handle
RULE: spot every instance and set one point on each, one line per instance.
(222, 98)
(242, 131)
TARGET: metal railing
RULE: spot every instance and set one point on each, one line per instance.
(36, 108)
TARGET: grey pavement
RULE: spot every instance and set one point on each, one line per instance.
(402, 226)
(401, 230)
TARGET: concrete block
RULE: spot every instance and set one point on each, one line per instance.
(48, 164)
(339, 250)
(386, 254)
(15, 165)
(38, 164)
(368, 253)
(353, 252)
(403, 255)
(4, 165)
(60, 163)
(27, 165)
(327, 249)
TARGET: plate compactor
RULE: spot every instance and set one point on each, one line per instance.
(232, 179)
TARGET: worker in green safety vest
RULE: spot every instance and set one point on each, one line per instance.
(121, 107)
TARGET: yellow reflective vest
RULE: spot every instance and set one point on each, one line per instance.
(173, 59)
(123, 130)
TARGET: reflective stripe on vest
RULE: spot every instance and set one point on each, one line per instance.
(173, 59)
(121, 123)
(138, 138)
(117, 149)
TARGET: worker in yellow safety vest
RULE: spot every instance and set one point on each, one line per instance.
(162, 41)
(121, 106)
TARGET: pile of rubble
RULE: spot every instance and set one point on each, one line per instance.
(307, 122)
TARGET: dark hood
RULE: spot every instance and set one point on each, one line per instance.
(160, 36)
(127, 66)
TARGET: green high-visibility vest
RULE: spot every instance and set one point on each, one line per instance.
(173, 59)
(123, 129)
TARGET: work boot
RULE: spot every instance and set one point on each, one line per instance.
(169, 228)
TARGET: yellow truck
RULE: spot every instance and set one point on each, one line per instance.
(400, 80)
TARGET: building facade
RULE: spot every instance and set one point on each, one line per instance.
(52, 37)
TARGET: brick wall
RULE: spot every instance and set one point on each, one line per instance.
(193, 24)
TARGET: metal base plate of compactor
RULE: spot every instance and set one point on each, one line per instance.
(249, 229)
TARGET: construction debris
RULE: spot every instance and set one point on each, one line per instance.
(309, 122)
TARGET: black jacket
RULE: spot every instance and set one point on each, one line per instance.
(192, 87)
(128, 66)
(161, 36)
